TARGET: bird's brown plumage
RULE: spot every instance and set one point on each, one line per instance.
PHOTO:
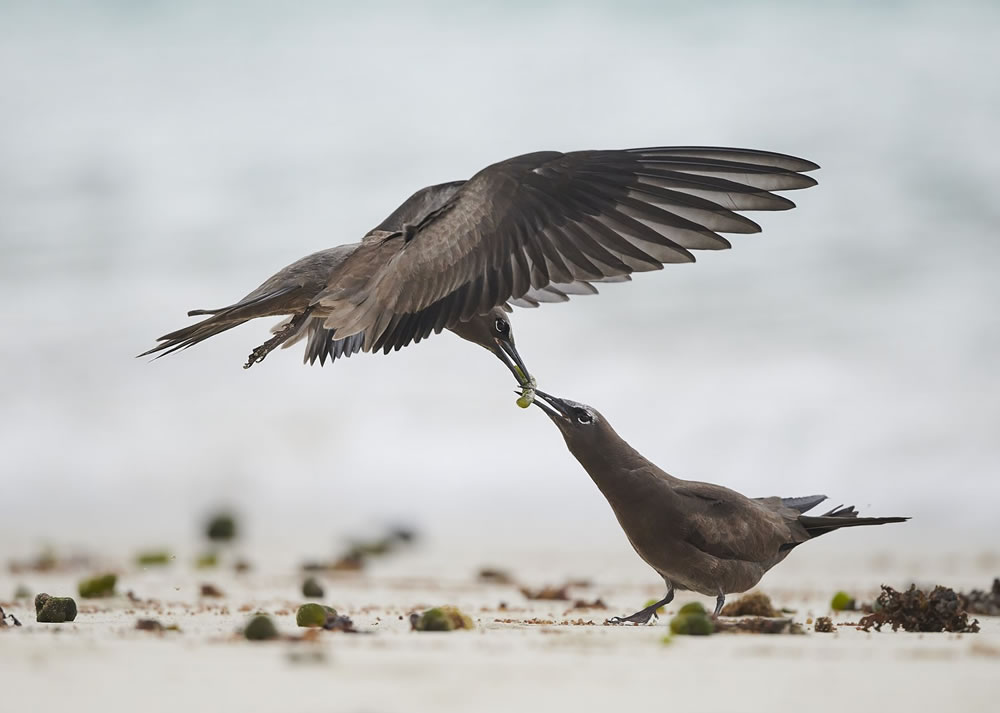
(698, 536)
(544, 218)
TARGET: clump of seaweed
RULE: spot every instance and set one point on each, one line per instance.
(916, 610)
(550, 593)
(54, 610)
(759, 625)
(103, 585)
(692, 620)
(752, 604)
(312, 588)
(982, 602)
(823, 625)
(596, 604)
(446, 618)
(210, 590)
(842, 601)
(260, 628)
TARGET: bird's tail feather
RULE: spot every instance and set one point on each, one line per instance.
(191, 335)
(842, 517)
(222, 319)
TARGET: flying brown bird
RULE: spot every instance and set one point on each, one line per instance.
(534, 228)
(698, 536)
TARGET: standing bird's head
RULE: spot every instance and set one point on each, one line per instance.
(577, 422)
(493, 331)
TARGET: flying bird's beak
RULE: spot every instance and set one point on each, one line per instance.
(556, 408)
(507, 353)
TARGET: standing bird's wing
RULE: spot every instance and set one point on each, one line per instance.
(548, 218)
(727, 525)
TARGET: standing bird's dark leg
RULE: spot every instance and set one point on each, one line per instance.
(643, 615)
(719, 601)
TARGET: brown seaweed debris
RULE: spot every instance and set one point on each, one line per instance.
(558, 594)
(584, 604)
(759, 625)
(492, 575)
(154, 626)
(210, 590)
(534, 620)
(752, 604)
(916, 610)
(981, 602)
(824, 625)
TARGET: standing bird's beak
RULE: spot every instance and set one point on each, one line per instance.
(556, 408)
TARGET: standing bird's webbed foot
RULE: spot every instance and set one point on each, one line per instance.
(644, 615)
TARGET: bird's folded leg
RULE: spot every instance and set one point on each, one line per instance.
(282, 335)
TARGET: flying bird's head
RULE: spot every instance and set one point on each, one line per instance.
(493, 331)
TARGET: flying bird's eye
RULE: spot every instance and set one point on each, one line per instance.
(501, 326)
(584, 417)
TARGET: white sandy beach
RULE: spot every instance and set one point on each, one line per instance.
(101, 663)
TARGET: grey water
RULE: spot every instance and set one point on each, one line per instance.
(157, 157)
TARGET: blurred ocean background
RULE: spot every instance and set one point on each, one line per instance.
(161, 156)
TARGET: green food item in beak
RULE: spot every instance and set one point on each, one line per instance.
(527, 396)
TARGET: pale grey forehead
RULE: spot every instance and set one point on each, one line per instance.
(577, 404)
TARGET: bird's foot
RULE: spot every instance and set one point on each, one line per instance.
(640, 617)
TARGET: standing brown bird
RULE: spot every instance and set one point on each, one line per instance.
(534, 228)
(697, 536)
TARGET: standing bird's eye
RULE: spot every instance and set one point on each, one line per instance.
(501, 326)
(584, 417)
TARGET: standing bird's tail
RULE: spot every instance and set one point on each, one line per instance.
(841, 517)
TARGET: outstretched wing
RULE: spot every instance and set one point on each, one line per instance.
(550, 218)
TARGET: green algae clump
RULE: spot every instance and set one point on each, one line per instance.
(312, 588)
(100, 586)
(260, 628)
(54, 610)
(314, 615)
(152, 558)
(446, 618)
(692, 608)
(221, 527)
(207, 560)
(692, 620)
(842, 601)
